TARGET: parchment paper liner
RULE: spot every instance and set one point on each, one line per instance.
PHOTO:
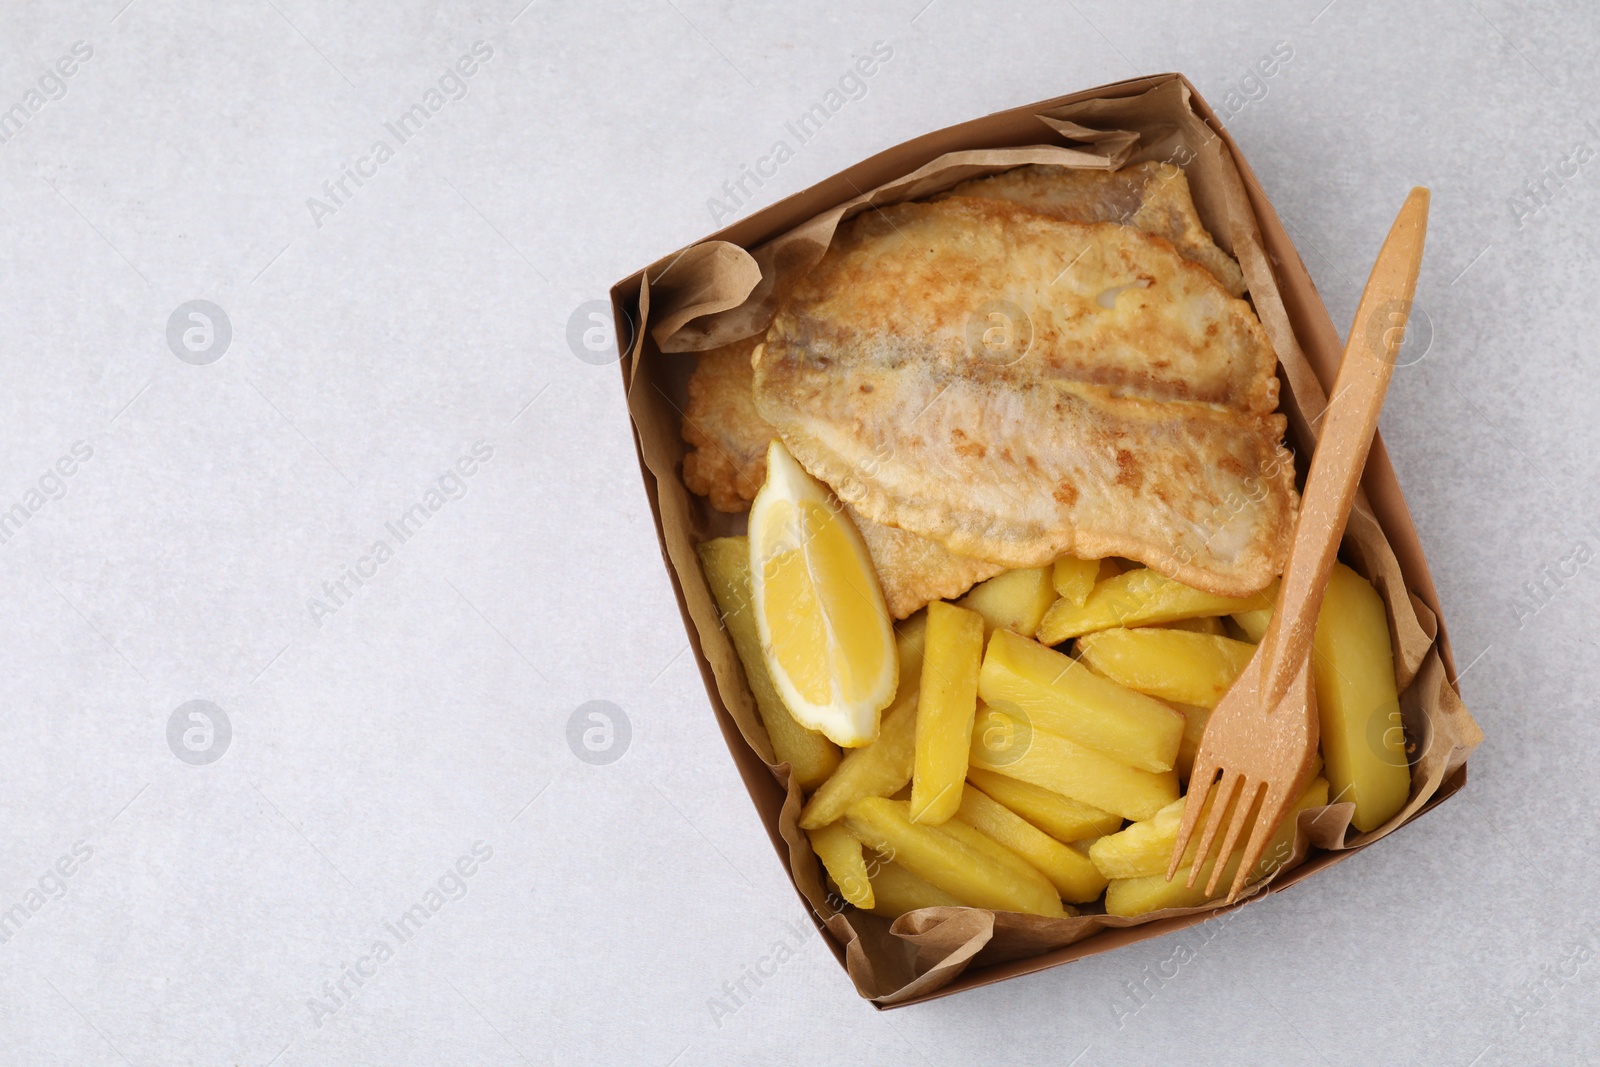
(716, 292)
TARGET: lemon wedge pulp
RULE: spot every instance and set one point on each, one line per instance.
(826, 634)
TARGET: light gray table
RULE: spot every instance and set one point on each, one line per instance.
(380, 741)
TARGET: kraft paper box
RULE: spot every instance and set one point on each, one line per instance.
(721, 289)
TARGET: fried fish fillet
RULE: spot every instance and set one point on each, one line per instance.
(729, 463)
(730, 438)
(1017, 387)
(914, 570)
(1153, 197)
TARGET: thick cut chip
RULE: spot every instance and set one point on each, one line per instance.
(944, 711)
(1253, 623)
(1152, 892)
(1074, 579)
(956, 859)
(1194, 729)
(896, 891)
(1174, 665)
(1015, 600)
(1059, 816)
(1009, 745)
(1140, 597)
(1362, 732)
(1211, 625)
(840, 853)
(1019, 388)
(1073, 874)
(1145, 848)
(1153, 197)
(1055, 693)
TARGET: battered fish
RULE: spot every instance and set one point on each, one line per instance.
(913, 570)
(1018, 387)
(730, 438)
(729, 435)
(729, 463)
(1153, 197)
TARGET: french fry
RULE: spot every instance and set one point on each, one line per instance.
(810, 756)
(1055, 763)
(950, 858)
(910, 638)
(1073, 578)
(1064, 697)
(1175, 665)
(982, 843)
(875, 770)
(1152, 892)
(1015, 600)
(1209, 624)
(1194, 728)
(1353, 671)
(1059, 816)
(1139, 598)
(1144, 848)
(1074, 876)
(883, 767)
(840, 853)
(949, 698)
(1253, 623)
(897, 891)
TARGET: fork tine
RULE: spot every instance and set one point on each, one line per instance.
(1244, 807)
(1201, 777)
(1219, 806)
(1272, 812)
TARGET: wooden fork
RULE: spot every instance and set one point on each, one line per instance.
(1261, 739)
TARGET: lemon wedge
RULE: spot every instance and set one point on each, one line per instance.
(825, 632)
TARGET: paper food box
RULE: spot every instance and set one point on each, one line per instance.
(721, 289)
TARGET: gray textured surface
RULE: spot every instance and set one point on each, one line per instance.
(374, 746)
